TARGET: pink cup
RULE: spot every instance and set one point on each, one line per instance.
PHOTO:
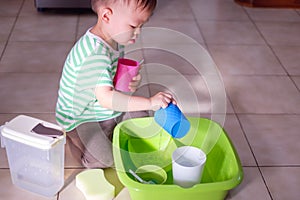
(126, 70)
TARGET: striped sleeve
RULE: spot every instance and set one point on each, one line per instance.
(89, 64)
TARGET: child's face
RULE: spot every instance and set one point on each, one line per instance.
(125, 23)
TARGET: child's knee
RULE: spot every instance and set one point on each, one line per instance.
(103, 161)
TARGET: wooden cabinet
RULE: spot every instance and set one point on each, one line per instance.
(270, 3)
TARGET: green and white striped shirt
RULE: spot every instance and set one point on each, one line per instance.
(90, 63)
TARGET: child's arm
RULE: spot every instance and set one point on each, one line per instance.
(114, 100)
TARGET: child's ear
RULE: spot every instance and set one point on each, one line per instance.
(106, 14)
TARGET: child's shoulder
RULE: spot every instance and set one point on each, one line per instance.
(91, 43)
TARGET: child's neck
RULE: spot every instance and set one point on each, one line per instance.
(98, 31)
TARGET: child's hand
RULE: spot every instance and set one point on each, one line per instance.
(161, 100)
(135, 82)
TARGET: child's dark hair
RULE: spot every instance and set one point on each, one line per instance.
(149, 5)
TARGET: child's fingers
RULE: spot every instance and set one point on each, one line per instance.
(168, 95)
(137, 77)
(133, 84)
(169, 98)
(166, 100)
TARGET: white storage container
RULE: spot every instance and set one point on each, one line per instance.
(35, 151)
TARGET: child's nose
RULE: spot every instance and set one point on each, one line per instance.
(137, 31)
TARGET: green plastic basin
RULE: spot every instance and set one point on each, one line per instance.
(141, 141)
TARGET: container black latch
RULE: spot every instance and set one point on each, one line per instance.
(43, 130)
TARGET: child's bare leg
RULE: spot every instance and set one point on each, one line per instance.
(91, 142)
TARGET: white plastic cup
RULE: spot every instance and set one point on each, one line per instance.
(126, 70)
(187, 166)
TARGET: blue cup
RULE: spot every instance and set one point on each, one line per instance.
(172, 120)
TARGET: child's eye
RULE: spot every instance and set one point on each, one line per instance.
(134, 27)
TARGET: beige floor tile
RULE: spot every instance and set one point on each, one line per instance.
(72, 160)
(143, 90)
(297, 81)
(161, 62)
(246, 60)
(273, 138)
(123, 195)
(34, 56)
(11, 192)
(252, 187)
(188, 58)
(191, 93)
(6, 24)
(217, 10)
(289, 57)
(280, 33)
(184, 26)
(3, 158)
(175, 9)
(28, 92)
(135, 52)
(157, 36)
(233, 129)
(262, 94)
(29, 9)
(10, 8)
(45, 28)
(230, 32)
(86, 21)
(2, 45)
(49, 117)
(270, 14)
(69, 190)
(283, 182)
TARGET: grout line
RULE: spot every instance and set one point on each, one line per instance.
(12, 29)
(298, 88)
(230, 101)
(199, 28)
(258, 166)
(39, 72)
(272, 50)
(272, 166)
(280, 166)
(77, 167)
(298, 12)
(223, 75)
(258, 75)
(274, 114)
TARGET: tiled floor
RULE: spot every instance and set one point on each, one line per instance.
(256, 51)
